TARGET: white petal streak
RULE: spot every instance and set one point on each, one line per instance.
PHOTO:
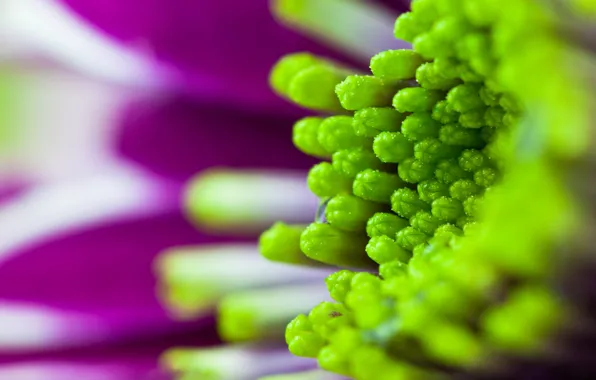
(52, 210)
(26, 326)
(28, 27)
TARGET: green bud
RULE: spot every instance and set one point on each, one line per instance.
(463, 189)
(420, 126)
(433, 150)
(369, 122)
(350, 162)
(453, 134)
(465, 97)
(447, 209)
(362, 91)
(414, 171)
(416, 99)
(406, 203)
(486, 177)
(336, 133)
(448, 171)
(472, 119)
(395, 64)
(429, 77)
(350, 213)
(324, 181)
(376, 186)
(385, 224)
(383, 249)
(425, 222)
(329, 245)
(392, 147)
(305, 137)
(281, 243)
(443, 113)
(339, 284)
(432, 189)
(301, 339)
(410, 237)
(472, 160)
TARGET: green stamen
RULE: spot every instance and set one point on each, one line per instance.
(361, 91)
(392, 147)
(350, 213)
(385, 224)
(336, 133)
(281, 243)
(395, 64)
(369, 122)
(376, 186)
(416, 99)
(329, 245)
(305, 137)
(325, 181)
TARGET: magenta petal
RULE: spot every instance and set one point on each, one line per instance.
(177, 137)
(105, 273)
(223, 49)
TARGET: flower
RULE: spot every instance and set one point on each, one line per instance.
(448, 199)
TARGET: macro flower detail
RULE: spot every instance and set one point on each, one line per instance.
(446, 204)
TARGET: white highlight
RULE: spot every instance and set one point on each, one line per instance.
(28, 27)
(27, 326)
(64, 371)
(49, 211)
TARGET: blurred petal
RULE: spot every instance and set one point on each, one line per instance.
(176, 137)
(223, 50)
(35, 28)
(64, 370)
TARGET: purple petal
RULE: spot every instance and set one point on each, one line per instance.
(177, 137)
(223, 49)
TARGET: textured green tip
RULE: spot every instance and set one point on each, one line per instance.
(420, 126)
(370, 122)
(330, 245)
(429, 76)
(433, 150)
(305, 137)
(465, 97)
(447, 209)
(301, 339)
(412, 170)
(339, 284)
(416, 99)
(361, 91)
(463, 189)
(376, 186)
(448, 171)
(452, 134)
(425, 222)
(385, 224)
(432, 189)
(392, 147)
(406, 203)
(395, 64)
(337, 133)
(350, 162)
(410, 237)
(287, 68)
(383, 249)
(325, 181)
(308, 81)
(281, 243)
(350, 213)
